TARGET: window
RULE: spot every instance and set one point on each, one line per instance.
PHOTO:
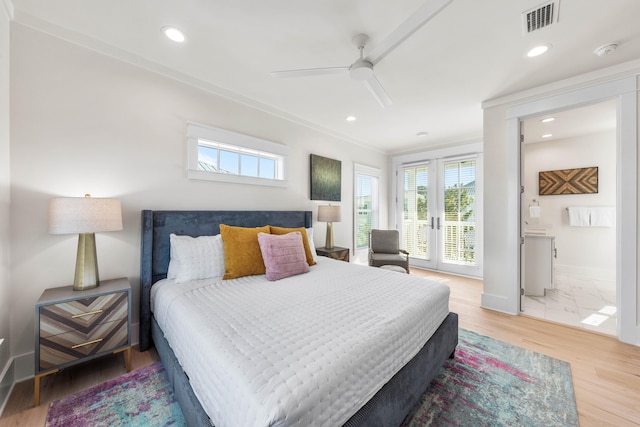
(415, 215)
(366, 209)
(459, 212)
(221, 155)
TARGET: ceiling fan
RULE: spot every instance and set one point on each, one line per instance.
(362, 68)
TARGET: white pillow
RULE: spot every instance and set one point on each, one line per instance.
(312, 245)
(194, 258)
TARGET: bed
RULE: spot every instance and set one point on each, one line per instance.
(387, 405)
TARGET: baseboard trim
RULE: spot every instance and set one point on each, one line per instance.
(496, 303)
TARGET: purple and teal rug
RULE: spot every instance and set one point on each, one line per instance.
(492, 383)
(489, 383)
(139, 398)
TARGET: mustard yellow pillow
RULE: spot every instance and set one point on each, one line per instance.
(242, 256)
(305, 240)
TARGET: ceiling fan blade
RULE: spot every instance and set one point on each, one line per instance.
(377, 91)
(412, 24)
(310, 72)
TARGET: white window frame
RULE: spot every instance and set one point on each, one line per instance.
(242, 144)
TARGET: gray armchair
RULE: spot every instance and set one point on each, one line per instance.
(384, 249)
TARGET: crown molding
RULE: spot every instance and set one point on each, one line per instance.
(602, 75)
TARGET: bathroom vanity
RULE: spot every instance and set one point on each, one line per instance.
(539, 254)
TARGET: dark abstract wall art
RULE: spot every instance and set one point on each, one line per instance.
(326, 178)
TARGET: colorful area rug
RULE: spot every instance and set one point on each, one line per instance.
(492, 383)
(139, 398)
(489, 383)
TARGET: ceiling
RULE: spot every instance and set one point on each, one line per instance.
(470, 52)
(587, 120)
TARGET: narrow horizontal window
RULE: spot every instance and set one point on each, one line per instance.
(220, 155)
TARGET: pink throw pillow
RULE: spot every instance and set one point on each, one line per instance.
(283, 254)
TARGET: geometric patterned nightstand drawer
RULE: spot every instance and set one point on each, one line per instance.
(83, 314)
(61, 349)
(77, 326)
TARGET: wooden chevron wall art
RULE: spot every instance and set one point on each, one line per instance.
(568, 181)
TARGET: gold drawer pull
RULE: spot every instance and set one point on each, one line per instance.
(86, 314)
(87, 343)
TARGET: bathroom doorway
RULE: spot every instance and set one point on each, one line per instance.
(569, 259)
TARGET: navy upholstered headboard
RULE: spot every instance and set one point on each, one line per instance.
(158, 225)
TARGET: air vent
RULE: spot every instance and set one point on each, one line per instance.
(540, 17)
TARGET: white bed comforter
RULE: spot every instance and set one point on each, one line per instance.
(308, 350)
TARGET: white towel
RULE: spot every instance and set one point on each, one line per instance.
(603, 217)
(534, 211)
(579, 217)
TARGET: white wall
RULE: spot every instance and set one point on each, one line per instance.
(501, 214)
(4, 200)
(588, 251)
(82, 122)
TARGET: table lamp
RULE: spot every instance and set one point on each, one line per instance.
(329, 214)
(85, 215)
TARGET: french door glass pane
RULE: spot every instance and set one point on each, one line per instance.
(364, 210)
(459, 212)
(416, 211)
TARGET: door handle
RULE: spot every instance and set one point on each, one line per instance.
(438, 223)
(432, 223)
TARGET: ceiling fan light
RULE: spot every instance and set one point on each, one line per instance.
(361, 70)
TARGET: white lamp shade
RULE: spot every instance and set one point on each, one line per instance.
(72, 215)
(329, 213)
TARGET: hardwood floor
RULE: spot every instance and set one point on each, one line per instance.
(606, 373)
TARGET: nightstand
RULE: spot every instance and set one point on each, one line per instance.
(75, 326)
(336, 252)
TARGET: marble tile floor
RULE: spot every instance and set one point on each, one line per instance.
(577, 301)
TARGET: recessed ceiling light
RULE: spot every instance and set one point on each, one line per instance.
(174, 34)
(547, 135)
(538, 50)
(351, 118)
(422, 134)
(548, 119)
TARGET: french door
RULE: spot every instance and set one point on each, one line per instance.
(366, 209)
(439, 214)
